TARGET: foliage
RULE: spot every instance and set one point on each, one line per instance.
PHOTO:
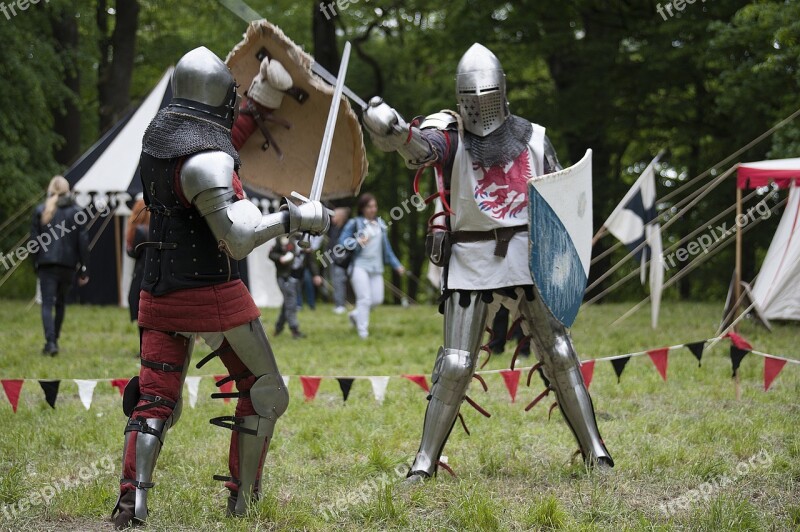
(614, 77)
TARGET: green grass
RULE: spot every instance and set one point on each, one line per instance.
(332, 465)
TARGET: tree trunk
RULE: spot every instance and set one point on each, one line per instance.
(323, 28)
(67, 118)
(117, 53)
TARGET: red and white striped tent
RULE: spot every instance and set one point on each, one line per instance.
(776, 291)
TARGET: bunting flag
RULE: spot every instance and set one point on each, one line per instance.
(225, 388)
(511, 378)
(13, 387)
(50, 389)
(738, 341)
(697, 350)
(193, 386)
(737, 354)
(659, 358)
(772, 367)
(619, 366)
(85, 391)
(419, 380)
(120, 384)
(740, 347)
(345, 384)
(310, 386)
(587, 370)
(379, 385)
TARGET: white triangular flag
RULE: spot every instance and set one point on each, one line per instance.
(379, 387)
(193, 384)
(286, 381)
(85, 391)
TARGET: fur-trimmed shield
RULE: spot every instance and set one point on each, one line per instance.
(560, 210)
(306, 110)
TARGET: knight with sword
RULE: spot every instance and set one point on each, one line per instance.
(486, 160)
(201, 225)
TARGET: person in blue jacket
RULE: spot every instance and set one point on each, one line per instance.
(366, 234)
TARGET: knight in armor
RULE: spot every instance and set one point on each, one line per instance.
(483, 157)
(201, 226)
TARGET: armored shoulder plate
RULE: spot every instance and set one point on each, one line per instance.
(443, 120)
(205, 171)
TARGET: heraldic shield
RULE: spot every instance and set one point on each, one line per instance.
(560, 248)
(288, 165)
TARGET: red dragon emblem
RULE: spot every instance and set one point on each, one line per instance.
(503, 193)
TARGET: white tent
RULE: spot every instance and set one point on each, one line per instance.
(107, 174)
(777, 288)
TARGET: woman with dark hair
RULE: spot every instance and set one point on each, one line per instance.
(57, 261)
(366, 234)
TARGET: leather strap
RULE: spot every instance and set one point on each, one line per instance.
(502, 236)
(169, 368)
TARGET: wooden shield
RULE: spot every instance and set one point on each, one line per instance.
(263, 170)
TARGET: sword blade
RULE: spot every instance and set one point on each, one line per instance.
(330, 127)
(322, 72)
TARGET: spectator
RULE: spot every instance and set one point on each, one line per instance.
(56, 263)
(310, 280)
(366, 234)
(338, 275)
(289, 262)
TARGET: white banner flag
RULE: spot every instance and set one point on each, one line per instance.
(193, 385)
(86, 391)
(379, 385)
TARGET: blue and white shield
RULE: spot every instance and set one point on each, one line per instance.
(560, 215)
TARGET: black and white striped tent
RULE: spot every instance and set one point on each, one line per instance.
(107, 175)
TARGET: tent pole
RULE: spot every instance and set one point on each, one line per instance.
(737, 289)
(118, 256)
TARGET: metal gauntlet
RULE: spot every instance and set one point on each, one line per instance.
(390, 132)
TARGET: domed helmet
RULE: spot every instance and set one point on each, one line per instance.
(202, 84)
(481, 91)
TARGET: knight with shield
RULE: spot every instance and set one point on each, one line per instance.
(514, 229)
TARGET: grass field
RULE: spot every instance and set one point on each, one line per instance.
(671, 440)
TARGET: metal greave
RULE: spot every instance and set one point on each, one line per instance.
(452, 373)
(561, 367)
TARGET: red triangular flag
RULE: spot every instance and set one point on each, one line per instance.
(420, 380)
(120, 384)
(587, 370)
(659, 358)
(511, 379)
(225, 388)
(12, 387)
(738, 341)
(772, 367)
(310, 386)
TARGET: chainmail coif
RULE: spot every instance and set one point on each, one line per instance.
(502, 145)
(173, 134)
